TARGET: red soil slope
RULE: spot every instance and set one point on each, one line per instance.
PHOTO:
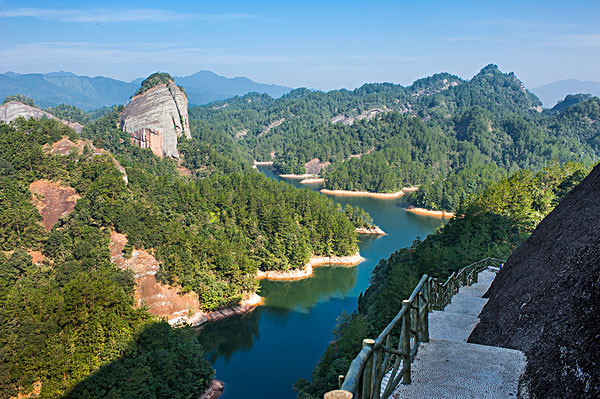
(52, 200)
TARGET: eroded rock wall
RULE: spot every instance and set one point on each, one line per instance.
(156, 118)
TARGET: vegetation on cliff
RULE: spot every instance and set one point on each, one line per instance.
(493, 223)
(19, 98)
(154, 80)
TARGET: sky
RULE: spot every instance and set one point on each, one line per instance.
(317, 44)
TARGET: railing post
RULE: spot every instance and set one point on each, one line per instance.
(367, 380)
(425, 321)
(338, 394)
(405, 339)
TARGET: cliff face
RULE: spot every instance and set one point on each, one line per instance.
(12, 110)
(546, 300)
(156, 118)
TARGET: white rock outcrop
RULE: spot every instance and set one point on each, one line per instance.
(14, 109)
(156, 118)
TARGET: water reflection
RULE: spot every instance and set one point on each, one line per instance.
(301, 295)
(262, 354)
(241, 332)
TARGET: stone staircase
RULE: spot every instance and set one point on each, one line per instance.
(449, 367)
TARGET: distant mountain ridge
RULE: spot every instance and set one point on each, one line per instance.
(551, 93)
(90, 93)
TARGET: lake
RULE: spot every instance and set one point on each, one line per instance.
(262, 354)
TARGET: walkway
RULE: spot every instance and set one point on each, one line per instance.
(449, 367)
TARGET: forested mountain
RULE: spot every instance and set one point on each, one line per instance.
(447, 135)
(68, 322)
(71, 314)
(551, 93)
(51, 89)
(493, 224)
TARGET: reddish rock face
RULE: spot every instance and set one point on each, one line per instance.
(162, 300)
(53, 201)
(156, 118)
(148, 138)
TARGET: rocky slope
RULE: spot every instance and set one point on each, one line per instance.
(156, 118)
(164, 300)
(13, 109)
(161, 300)
(53, 201)
(546, 300)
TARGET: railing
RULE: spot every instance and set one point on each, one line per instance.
(386, 361)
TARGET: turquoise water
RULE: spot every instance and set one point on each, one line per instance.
(262, 354)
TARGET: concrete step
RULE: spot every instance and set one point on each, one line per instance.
(449, 367)
(453, 370)
(454, 327)
(468, 305)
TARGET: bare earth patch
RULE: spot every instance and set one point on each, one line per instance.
(53, 201)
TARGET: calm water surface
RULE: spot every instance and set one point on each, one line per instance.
(262, 354)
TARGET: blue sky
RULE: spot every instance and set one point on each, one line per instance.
(316, 44)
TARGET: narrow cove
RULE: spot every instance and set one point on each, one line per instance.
(262, 354)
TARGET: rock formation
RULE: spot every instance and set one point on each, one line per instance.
(545, 301)
(13, 109)
(156, 118)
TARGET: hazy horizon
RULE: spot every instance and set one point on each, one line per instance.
(320, 46)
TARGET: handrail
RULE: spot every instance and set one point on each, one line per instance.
(379, 367)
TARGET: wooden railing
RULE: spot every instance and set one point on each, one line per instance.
(385, 362)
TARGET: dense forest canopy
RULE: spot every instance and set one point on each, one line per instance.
(73, 315)
(493, 224)
(446, 135)
(210, 231)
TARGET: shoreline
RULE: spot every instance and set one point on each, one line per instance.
(214, 390)
(348, 193)
(430, 212)
(307, 271)
(292, 176)
(313, 180)
(375, 230)
(248, 303)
